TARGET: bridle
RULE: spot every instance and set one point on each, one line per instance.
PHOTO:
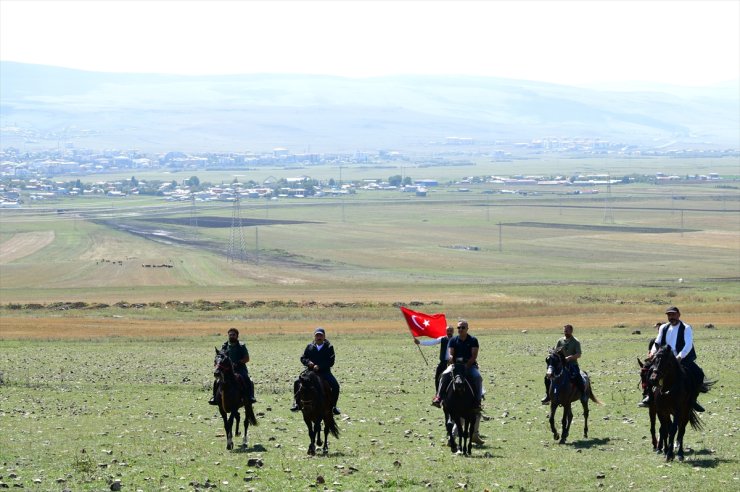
(551, 366)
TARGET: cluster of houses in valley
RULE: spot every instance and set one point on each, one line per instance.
(14, 191)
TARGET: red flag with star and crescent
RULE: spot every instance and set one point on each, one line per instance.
(425, 325)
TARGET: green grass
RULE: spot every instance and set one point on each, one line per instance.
(138, 410)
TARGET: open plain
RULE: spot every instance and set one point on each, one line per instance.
(110, 309)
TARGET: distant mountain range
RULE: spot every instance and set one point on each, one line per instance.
(43, 106)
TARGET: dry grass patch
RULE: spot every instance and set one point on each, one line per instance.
(24, 244)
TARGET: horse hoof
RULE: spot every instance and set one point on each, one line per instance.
(556, 436)
(680, 457)
(230, 446)
(562, 441)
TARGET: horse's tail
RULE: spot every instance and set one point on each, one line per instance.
(331, 425)
(249, 414)
(592, 397)
(694, 420)
(706, 385)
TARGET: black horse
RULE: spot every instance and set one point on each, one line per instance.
(230, 397)
(645, 371)
(314, 395)
(458, 399)
(563, 392)
(674, 395)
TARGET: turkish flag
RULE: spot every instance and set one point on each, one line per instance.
(425, 325)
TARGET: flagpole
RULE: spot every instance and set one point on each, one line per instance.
(419, 347)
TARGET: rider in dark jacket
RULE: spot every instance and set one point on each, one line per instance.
(319, 356)
(239, 356)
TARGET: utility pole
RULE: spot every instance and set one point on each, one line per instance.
(237, 250)
(608, 213)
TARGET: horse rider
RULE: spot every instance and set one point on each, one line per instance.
(463, 348)
(571, 348)
(319, 357)
(239, 356)
(680, 337)
(444, 354)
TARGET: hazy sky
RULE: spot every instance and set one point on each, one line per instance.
(572, 42)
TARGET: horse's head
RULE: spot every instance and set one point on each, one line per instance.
(555, 361)
(222, 364)
(309, 388)
(665, 365)
(458, 377)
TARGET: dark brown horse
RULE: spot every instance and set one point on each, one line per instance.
(563, 392)
(457, 401)
(314, 395)
(652, 411)
(674, 395)
(230, 397)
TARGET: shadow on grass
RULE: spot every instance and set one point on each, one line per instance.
(589, 443)
(257, 448)
(704, 458)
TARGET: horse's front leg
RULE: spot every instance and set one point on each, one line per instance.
(318, 432)
(229, 426)
(553, 409)
(679, 438)
(311, 435)
(665, 424)
(585, 418)
(565, 422)
(325, 449)
(469, 434)
(669, 455)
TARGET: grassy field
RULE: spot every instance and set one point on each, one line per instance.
(364, 247)
(82, 409)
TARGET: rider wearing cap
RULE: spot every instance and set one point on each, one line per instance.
(680, 337)
(319, 357)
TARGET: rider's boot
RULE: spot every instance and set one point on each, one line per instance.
(546, 399)
(213, 400)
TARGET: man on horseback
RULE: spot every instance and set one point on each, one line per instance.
(239, 356)
(463, 349)
(571, 348)
(444, 354)
(319, 357)
(680, 337)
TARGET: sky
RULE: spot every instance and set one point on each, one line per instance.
(684, 43)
